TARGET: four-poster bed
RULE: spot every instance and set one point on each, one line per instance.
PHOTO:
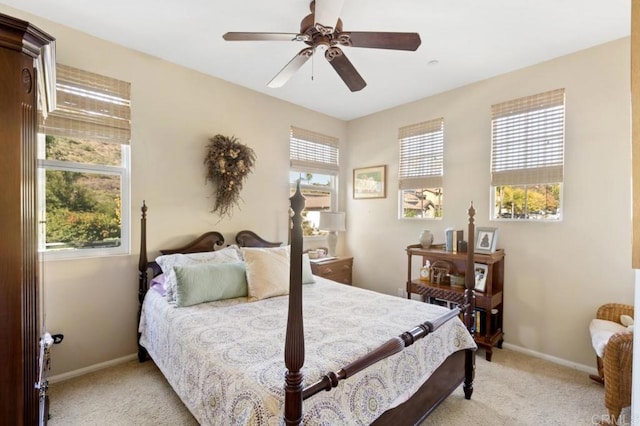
(366, 382)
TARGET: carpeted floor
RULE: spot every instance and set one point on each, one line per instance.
(517, 389)
(513, 389)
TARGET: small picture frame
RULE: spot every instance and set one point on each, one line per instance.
(486, 240)
(370, 182)
(480, 272)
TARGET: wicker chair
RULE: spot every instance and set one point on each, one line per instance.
(614, 368)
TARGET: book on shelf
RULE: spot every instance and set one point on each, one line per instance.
(481, 321)
(480, 316)
(443, 302)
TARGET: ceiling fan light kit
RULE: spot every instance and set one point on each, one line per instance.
(322, 31)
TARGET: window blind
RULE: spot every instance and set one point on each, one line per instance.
(422, 155)
(90, 106)
(313, 152)
(527, 140)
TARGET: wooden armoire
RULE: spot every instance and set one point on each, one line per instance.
(27, 68)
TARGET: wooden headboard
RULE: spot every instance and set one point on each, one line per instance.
(205, 242)
(251, 239)
(208, 241)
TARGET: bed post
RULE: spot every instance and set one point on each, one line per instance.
(294, 343)
(143, 278)
(470, 303)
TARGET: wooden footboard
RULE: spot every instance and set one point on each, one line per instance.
(444, 380)
(453, 372)
(390, 347)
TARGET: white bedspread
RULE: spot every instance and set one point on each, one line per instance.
(225, 359)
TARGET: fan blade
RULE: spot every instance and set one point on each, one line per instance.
(326, 14)
(380, 40)
(262, 37)
(345, 69)
(290, 69)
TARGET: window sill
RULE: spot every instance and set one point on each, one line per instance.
(82, 254)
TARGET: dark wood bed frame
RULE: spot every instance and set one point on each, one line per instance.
(458, 368)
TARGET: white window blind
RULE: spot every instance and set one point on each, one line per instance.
(422, 155)
(90, 106)
(527, 140)
(313, 152)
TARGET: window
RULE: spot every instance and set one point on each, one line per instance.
(527, 157)
(83, 166)
(314, 163)
(421, 169)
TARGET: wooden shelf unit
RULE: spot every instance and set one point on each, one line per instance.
(486, 301)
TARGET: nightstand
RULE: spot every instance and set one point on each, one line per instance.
(336, 269)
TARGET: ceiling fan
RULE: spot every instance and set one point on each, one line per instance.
(322, 32)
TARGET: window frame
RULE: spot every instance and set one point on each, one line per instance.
(322, 156)
(494, 216)
(546, 166)
(431, 177)
(332, 189)
(401, 205)
(124, 171)
(90, 107)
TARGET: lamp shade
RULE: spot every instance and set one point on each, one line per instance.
(332, 221)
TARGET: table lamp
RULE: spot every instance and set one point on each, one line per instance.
(332, 222)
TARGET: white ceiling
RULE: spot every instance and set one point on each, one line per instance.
(471, 40)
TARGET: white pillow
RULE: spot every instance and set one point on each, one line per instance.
(601, 331)
(267, 271)
(169, 261)
(627, 321)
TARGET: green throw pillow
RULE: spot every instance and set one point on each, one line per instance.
(209, 281)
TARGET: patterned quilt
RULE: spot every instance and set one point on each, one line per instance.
(225, 359)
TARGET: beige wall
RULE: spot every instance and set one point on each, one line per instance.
(556, 274)
(174, 112)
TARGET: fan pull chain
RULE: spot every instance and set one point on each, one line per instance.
(313, 62)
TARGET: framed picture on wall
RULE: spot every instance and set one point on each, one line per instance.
(486, 240)
(370, 182)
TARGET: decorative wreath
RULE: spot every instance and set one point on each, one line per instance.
(228, 164)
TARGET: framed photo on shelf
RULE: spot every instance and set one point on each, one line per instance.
(486, 240)
(370, 182)
(480, 271)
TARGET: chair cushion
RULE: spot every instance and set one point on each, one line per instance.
(627, 321)
(601, 331)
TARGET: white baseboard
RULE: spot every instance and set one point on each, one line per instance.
(90, 369)
(555, 360)
(100, 366)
